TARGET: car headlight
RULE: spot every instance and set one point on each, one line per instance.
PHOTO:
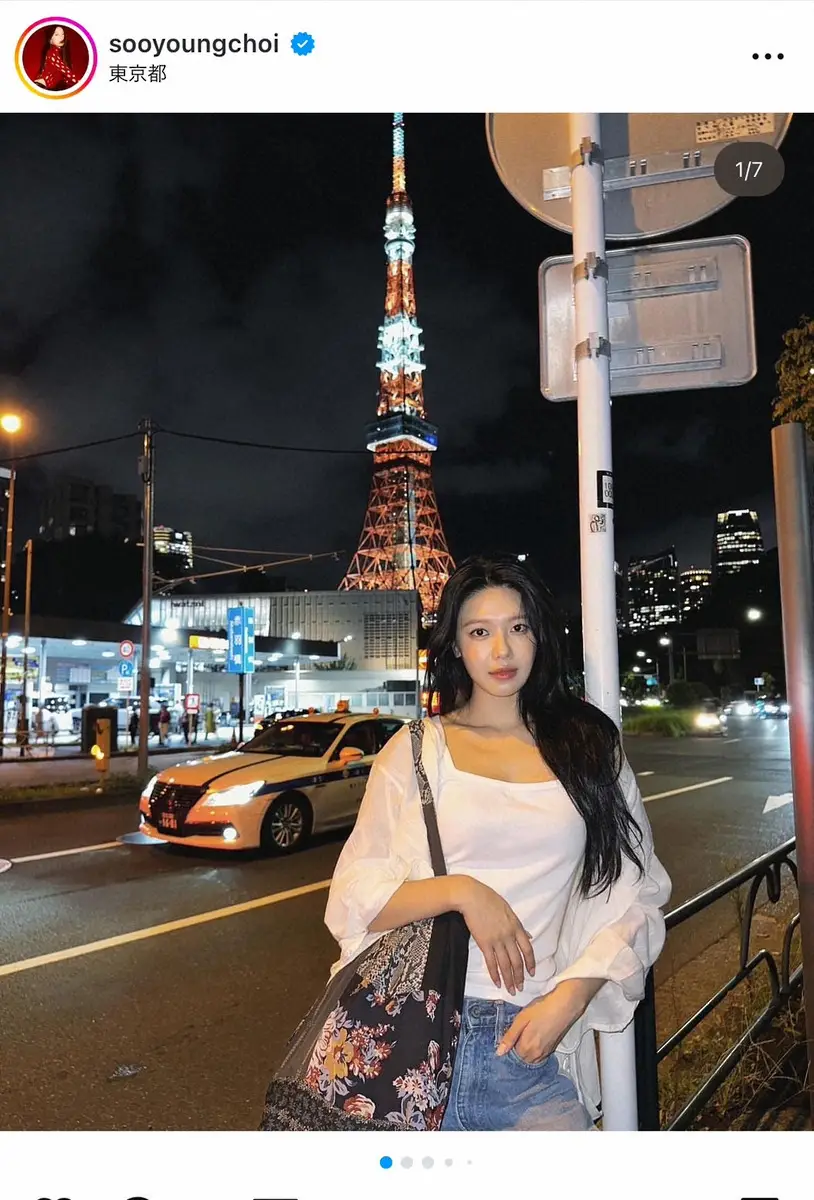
(241, 793)
(150, 788)
(784, 708)
(743, 710)
(707, 721)
(770, 708)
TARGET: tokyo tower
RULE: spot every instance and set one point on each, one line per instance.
(402, 546)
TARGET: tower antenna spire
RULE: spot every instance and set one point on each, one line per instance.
(399, 168)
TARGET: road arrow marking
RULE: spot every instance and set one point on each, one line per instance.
(778, 801)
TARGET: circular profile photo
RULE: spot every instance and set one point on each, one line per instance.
(56, 58)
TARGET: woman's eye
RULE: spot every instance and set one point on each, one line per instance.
(477, 632)
(521, 628)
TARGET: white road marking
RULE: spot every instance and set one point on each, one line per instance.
(693, 787)
(729, 741)
(139, 935)
(65, 853)
(778, 801)
(643, 773)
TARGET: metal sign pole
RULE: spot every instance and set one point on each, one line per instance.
(792, 485)
(598, 580)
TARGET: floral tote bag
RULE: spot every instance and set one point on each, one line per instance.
(377, 1050)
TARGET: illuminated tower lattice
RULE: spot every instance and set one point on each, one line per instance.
(402, 546)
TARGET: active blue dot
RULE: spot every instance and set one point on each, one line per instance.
(386, 1162)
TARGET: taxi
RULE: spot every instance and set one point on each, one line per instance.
(298, 777)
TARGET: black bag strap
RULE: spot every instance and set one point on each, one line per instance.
(427, 803)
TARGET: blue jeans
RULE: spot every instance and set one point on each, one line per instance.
(491, 1093)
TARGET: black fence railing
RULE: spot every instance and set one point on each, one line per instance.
(782, 982)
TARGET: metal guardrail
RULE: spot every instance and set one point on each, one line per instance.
(782, 981)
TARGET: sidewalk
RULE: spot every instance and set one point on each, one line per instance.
(18, 773)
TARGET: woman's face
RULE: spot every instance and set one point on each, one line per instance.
(58, 36)
(494, 641)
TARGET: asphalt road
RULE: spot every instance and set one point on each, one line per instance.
(152, 988)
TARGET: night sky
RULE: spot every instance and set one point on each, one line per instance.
(225, 276)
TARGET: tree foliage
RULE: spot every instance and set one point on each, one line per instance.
(795, 376)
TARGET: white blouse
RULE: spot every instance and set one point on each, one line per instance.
(527, 842)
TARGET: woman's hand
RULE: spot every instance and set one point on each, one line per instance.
(502, 940)
(540, 1027)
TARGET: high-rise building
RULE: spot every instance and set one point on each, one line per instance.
(174, 543)
(73, 507)
(695, 585)
(402, 546)
(652, 591)
(737, 542)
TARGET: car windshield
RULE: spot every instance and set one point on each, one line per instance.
(305, 739)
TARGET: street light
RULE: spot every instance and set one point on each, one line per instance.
(10, 423)
(668, 642)
(753, 614)
(636, 670)
(640, 653)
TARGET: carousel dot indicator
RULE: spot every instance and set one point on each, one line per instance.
(407, 1162)
(428, 1162)
(386, 1162)
(447, 1162)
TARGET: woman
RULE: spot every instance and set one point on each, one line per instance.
(548, 849)
(55, 73)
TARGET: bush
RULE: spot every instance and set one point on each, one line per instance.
(685, 695)
(666, 723)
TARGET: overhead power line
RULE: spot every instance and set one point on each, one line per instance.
(222, 441)
(18, 458)
(167, 586)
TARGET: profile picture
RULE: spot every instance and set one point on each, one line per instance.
(56, 58)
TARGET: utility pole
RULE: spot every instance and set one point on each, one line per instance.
(4, 624)
(147, 472)
(25, 724)
(596, 534)
(793, 461)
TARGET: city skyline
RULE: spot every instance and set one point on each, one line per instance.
(229, 314)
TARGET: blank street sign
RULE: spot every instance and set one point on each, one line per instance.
(659, 168)
(680, 317)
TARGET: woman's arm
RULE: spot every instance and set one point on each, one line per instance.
(620, 934)
(384, 879)
(420, 898)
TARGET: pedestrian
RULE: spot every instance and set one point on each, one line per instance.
(195, 727)
(163, 724)
(38, 723)
(209, 721)
(132, 727)
(550, 859)
(51, 725)
(185, 727)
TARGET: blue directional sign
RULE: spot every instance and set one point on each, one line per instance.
(127, 668)
(240, 632)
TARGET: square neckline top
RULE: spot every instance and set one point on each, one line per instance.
(450, 762)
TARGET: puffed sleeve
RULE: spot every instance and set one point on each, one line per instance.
(620, 934)
(388, 846)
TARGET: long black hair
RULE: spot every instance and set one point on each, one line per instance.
(578, 741)
(64, 49)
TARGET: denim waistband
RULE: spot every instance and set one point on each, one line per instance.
(484, 1013)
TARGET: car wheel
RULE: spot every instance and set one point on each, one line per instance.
(287, 825)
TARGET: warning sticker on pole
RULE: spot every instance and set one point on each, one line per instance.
(735, 125)
(598, 522)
